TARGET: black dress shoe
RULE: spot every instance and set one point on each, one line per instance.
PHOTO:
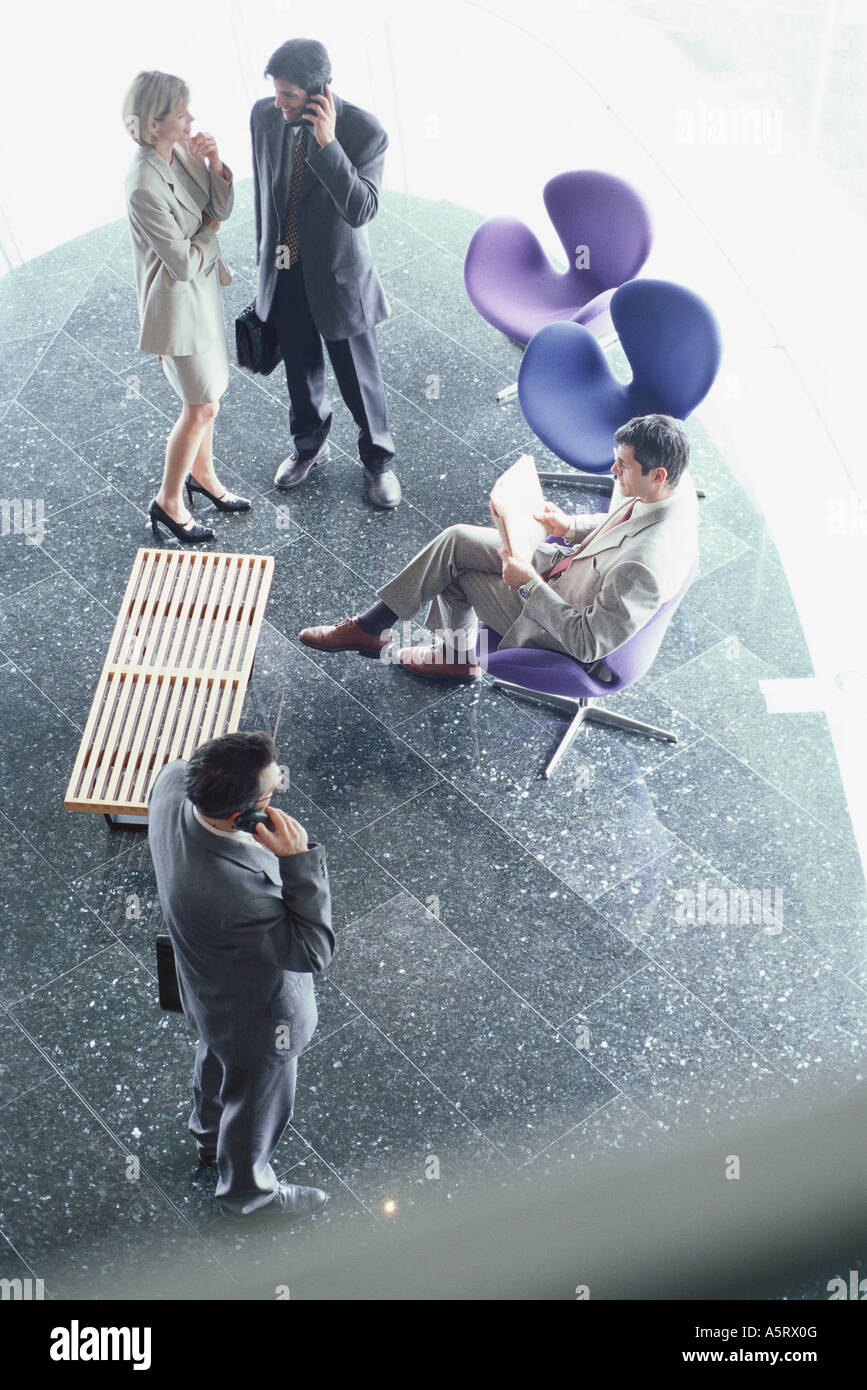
(294, 470)
(227, 503)
(383, 489)
(191, 532)
(291, 1203)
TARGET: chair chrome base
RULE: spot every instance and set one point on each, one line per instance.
(600, 482)
(584, 711)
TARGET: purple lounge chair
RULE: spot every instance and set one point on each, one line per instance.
(556, 679)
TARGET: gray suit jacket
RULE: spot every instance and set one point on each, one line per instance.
(249, 929)
(622, 575)
(173, 253)
(339, 194)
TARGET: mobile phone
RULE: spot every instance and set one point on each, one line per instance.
(248, 820)
(314, 92)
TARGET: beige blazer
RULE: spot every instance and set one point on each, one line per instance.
(174, 254)
(622, 575)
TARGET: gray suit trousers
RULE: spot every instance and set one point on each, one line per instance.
(460, 574)
(240, 1114)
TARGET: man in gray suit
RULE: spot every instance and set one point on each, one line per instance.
(317, 167)
(585, 600)
(249, 915)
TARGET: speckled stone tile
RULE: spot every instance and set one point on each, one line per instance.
(453, 386)
(106, 322)
(75, 395)
(335, 511)
(37, 753)
(123, 894)
(717, 545)
(22, 1066)
(731, 507)
(726, 946)
(358, 881)
(543, 940)
(708, 469)
(80, 1223)
(131, 455)
(382, 1151)
(503, 1068)
(98, 543)
(18, 358)
(687, 635)
(739, 596)
(269, 1259)
(394, 243)
(262, 530)
(23, 562)
(64, 660)
(618, 1130)
(440, 474)
(341, 757)
(590, 835)
(38, 297)
(448, 224)
(674, 1058)
(34, 464)
(312, 586)
(761, 839)
(238, 245)
(47, 928)
(794, 752)
(433, 287)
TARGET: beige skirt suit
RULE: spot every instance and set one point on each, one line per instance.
(178, 268)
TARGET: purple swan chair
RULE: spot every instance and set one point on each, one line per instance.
(556, 679)
(604, 229)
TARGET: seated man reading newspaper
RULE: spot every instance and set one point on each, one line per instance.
(585, 599)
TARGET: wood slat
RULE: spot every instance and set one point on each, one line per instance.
(175, 673)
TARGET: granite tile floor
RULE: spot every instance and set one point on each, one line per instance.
(531, 976)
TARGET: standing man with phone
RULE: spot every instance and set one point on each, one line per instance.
(249, 916)
(317, 166)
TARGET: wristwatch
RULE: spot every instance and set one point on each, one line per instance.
(525, 589)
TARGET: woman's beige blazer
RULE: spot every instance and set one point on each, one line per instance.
(174, 253)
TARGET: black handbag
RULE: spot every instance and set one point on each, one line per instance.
(167, 976)
(256, 343)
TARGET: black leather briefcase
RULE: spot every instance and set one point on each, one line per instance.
(256, 343)
(167, 976)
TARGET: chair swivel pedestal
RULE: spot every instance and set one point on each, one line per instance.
(557, 679)
(583, 711)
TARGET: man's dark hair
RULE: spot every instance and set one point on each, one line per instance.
(303, 62)
(223, 775)
(657, 441)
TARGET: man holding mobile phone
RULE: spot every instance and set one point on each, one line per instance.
(249, 916)
(317, 167)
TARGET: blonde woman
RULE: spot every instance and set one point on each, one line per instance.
(178, 191)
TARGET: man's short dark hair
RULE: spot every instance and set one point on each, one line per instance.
(657, 441)
(223, 774)
(303, 62)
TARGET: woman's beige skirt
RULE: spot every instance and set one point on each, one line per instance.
(203, 377)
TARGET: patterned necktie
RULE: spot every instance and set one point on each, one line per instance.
(562, 565)
(290, 226)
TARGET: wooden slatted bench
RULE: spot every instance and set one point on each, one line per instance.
(176, 673)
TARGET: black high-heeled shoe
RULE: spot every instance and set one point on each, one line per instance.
(191, 532)
(227, 503)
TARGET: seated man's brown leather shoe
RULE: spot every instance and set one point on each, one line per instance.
(346, 636)
(431, 663)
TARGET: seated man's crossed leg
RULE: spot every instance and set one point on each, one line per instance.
(460, 575)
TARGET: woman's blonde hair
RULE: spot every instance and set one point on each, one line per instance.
(152, 97)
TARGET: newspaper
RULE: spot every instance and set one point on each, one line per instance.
(515, 498)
